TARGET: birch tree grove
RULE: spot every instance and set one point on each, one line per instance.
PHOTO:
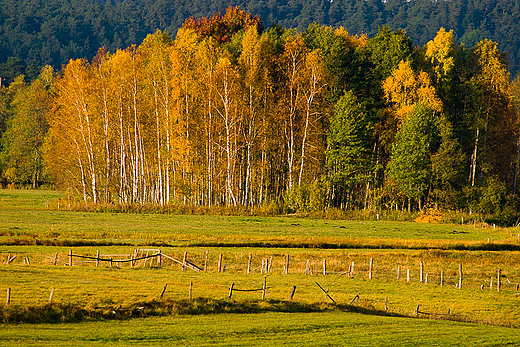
(228, 115)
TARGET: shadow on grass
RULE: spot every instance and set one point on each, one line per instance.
(70, 313)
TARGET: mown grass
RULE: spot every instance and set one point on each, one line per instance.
(334, 328)
(25, 220)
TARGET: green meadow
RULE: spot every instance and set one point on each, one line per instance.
(119, 304)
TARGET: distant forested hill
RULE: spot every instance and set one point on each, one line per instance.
(38, 32)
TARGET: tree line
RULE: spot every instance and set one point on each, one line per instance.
(229, 114)
(36, 33)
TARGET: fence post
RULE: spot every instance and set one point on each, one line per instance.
(426, 279)
(270, 264)
(386, 303)
(491, 283)
(159, 259)
(352, 270)
(442, 277)
(263, 288)
(324, 267)
(370, 268)
(184, 261)
(307, 267)
(421, 273)
(191, 286)
(460, 276)
(206, 261)
(70, 257)
(231, 289)
(249, 263)
(407, 275)
(292, 293)
(56, 258)
(163, 291)
(8, 298)
(219, 267)
(97, 258)
(498, 279)
(287, 264)
(50, 297)
(417, 311)
(398, 271)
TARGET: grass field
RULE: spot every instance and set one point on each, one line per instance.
(31, 230)
(265, 329)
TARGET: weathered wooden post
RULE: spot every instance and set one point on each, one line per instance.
(398, 272)
(184, 261)
(56, 258)
(219, 267)
(231, 289)
(50, 296)
(308, 266)
(8, 297)
(370, 268)
(292, 293)
(407, 275)
(70, 257)
(498, 279)
(386, 303)
(491, 283)
(352, 270)
(286, 264)
(460, 276)
(421, 273)
(417, 311)
(270, 264)
(163, 291)
(324, 267)
(97, 258)
(191, 286)
(442, 277)
(249, 263)
(159, 259)
(263, 288)
(206, 261)
(426, 279)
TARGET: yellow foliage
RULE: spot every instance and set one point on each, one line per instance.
(430, 216)
(405, 88)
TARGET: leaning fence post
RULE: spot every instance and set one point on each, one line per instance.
(184, 261)
(498, 279)
(97, 258)
(263, 288)
(8, 297)
(70, 257)
(231, 289)
(270, 264)
(249, 263)
(163, 291)
(50, 297)
(292, 293)
(370, 268)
